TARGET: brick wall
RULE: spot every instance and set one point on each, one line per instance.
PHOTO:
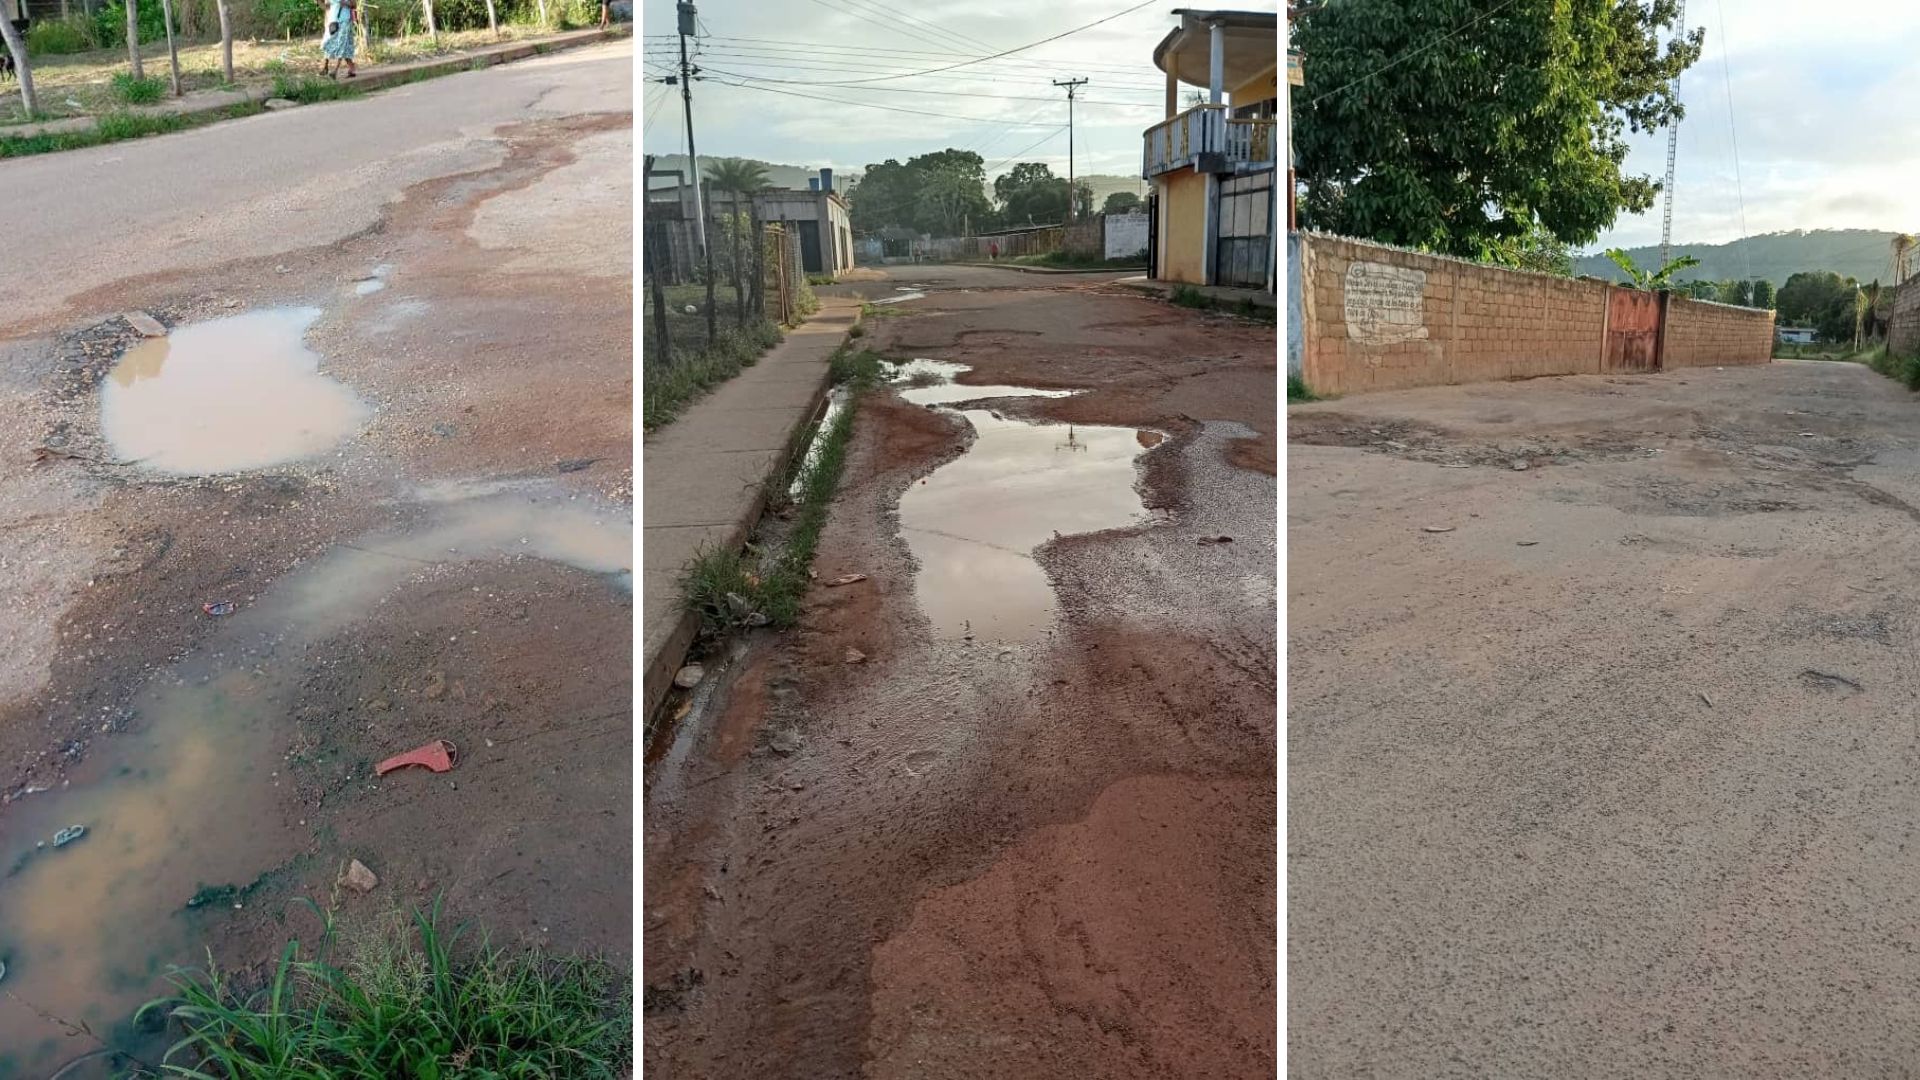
(1903, 325)
(1704, 334)
(1381, 318)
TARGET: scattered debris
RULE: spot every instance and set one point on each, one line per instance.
(1437, 528)
(358, 878)
(846, 579)
(145, 325)
(1828, 681)
(1527, 543)
(68, 835)
(855, 656)
(1216, 540)
(689, 677)
(573, 464)
(711, 892)
(218, 608)
(1520, 465)
(1705, 698)
(278, 103)
(692, 310)
(438, 756)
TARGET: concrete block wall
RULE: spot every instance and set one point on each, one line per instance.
(1701, 333)
(1381, 318)
(1086, 237)
(1903, 325)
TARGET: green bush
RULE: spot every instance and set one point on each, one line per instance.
(142, 91)
(110, 24)
(296, 17)
(61, 37)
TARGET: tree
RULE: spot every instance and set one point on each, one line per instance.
(22, 66)
(1809, 294)
(1122, 202)
(1535, 250)
(1651, 280)
(938, 193)
(1763, 294)
(740, 178)
(1520, 121)
(133, 38)
(1029, 192)
(226, 42)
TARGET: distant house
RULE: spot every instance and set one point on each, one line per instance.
(1795, 335)
(818, 213)
(1213, 165)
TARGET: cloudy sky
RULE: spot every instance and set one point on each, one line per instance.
(1824, 114)
(1007, 110)
(1822, 98)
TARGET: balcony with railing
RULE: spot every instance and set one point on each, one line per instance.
(1205, 139)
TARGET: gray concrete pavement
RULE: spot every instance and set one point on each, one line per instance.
(270, 184)
(704, 475)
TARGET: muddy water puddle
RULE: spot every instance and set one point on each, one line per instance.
(975, 522)
(185, 799)
(242, 392)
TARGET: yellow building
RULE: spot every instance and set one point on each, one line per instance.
(1213, 164)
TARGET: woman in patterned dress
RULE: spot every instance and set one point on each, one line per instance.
(339, 43)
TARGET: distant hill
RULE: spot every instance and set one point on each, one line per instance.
(1861, 254)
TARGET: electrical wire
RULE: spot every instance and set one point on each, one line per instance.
(1733, 134)
(950, 93)
(858, 104)
(810, 48)
(836, 65)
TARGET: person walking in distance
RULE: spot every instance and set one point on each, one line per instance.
(337, 50)
(993, 251)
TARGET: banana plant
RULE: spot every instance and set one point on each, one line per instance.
(1650, 280)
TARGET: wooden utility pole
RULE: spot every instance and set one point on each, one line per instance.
(1073, 196)
(173, 52)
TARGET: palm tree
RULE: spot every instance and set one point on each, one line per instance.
(740, 178)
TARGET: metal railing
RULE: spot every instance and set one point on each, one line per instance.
(1179, 141)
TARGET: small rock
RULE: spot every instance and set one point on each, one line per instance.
(358, 878)
(1528, 543)
(1520, 465)
(278, 103)
(436, 686)
(1437, 528)
(784, 742)
(689, 677)
(145, 324)
(846, 579)
(855, 656)
(712, 893)
(1216, 540)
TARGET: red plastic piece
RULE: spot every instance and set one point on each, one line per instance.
(438, 755)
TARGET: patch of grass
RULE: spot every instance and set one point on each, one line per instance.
(1903, 369)
(669, 385)
(820, 279)
(1298, 391)
(309, 89)
(60, 37)
(403, 1000)
(1061, 260)
(870, 310)
(143, 91)
(1190, 297)
(117, 127)
(734, 590)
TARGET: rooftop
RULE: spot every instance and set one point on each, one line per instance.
(1252, 45)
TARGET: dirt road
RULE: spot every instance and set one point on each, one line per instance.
(371, 489)
(1025, 828)
(1614, 777)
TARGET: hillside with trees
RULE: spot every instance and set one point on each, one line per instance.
(1861, 254)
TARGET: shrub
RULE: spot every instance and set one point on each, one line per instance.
(110, 24)
(59, 37)
(307, 89)
(131, 91)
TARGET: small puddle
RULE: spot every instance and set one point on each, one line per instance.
(974, 523)
(186, 798)
(836, 401)
(242, 392)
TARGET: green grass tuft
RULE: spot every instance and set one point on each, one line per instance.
(667, 387)
(131, 91)
(1298, 391)
(310, 89)
(404, 1000)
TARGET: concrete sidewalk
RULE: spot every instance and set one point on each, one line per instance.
(371, 77)
(1222, 293)
(704, 476)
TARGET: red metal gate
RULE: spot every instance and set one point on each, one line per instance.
(1633, 330)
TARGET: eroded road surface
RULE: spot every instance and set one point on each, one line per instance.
(352, 477)
(1617, 775)
(1024, 828)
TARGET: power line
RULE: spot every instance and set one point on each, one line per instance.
(966, 43)
(1022, 152)
(894, 27)
(810, 48)
(1009, 52)
(834, 65)
(945, 93)
(859, 104)
(1732, 134)
(1071, 86)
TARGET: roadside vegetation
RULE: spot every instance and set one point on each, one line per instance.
(1189, 297)
(119, 127)
(1297, 391)
(400, 997)
(1061, 260)
(764, 583)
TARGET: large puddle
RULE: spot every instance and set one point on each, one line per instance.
(974, 524)
(186, 799)
(242, 392)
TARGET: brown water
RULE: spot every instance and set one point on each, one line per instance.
(974, 524)
(243, 392)
(186, 798)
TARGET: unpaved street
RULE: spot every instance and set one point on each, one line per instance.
(1614, 776)
(1024, 829)
(371, 489)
